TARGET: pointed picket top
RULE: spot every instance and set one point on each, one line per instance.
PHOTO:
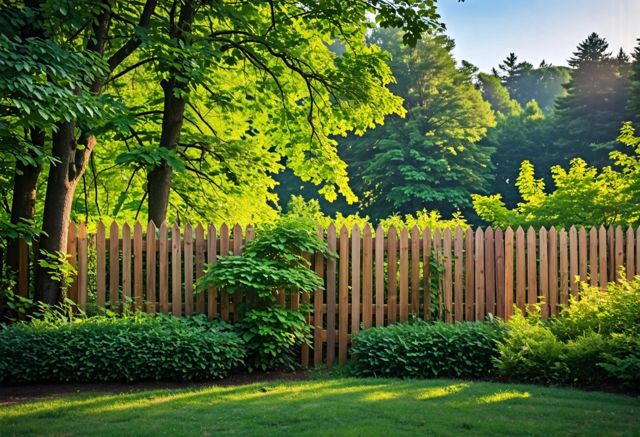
(164, 225)
(379, 234)
(404, 234)
(509, 232)
(366, 231)
(392, 232)
(437, 236)
(72, 228)
(447, 232)
(137, 228)
(488, 230)
(151, 225)
(531, 233)
(331, 228)
(175, 230)
(458, 233)
(543, 230)
(82, 230)
(355, 232)
(237, 231)
(199, 229)
(188, 230)
(224, 229)
(572, 229)
(469, 233)
(126, 230)
(519, 232)
(100, 227)
(211, 233)
(479, 233)
(344, 231)
(618, 228)
(113, 229)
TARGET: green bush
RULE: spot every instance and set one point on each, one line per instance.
(594, 340)
(426, 350)
(130, 348)
(271, 337)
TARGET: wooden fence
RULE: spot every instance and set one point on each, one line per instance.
(378, 278)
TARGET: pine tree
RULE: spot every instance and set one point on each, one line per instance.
(633, 103)
(590, 114)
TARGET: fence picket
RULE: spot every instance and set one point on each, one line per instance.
(355, 279)
(508, 273)
(426, 262)
(188, 269)
(489, 271)
(619, 253)
(367, 277)
(114, 263)
(224, 251)
(479, 276)
(151, 267)
(602, 257)
(448, 275)
(593, 256)
(458, 284)
(573, 261)
(236, 298)
(126, 266)
(137, 266)
(200, 250)
(582, 254)
(629, 259)
(415, 271)
(212, 291)
(532, 272)
(100, 266)
(392, 266)
(521, 271)
(544, 272)
(343, 296)
(404, 276)
(176, 270)
(379, 268)
(83, 266)
(553, 271)
(564, 268)
(331, 297)
(318, 301)
(163, 269)
(469, 287)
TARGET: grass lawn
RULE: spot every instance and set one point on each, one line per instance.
(337, 406)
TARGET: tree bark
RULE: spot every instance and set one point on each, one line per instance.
(23, 205)
(65, 174)
(159, 179)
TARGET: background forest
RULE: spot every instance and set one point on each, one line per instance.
(236, 112)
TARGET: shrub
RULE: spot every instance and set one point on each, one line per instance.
(274, 261)
(130, 348)
(594, 340)
(425, 350)
(271, 337)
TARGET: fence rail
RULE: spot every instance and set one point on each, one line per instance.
(379, 278)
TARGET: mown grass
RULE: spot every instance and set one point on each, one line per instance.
(336, 406)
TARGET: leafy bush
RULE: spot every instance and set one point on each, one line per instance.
(130, 348)
(274, 261)
(271, 336)
(426, 350)
(594, 340)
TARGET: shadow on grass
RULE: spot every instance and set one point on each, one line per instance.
(333, 406)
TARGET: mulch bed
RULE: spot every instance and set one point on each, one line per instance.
(14, 393)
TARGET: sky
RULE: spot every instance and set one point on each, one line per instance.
(486, 31)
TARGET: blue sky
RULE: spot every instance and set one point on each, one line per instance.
(486, 31)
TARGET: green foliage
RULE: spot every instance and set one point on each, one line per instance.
(273, 261)
(427, 350)
(310, 210)
(594, 340)
(582, 196)
(270, 262)
(59, 268)
(431, 159)
(272, 336)
(131, 348)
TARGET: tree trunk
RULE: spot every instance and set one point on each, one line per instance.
(159, 179)
(61, 184)
(23, 205)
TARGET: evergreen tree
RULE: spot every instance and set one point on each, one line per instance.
(593, 109)
(430, 159)
(633, 103)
